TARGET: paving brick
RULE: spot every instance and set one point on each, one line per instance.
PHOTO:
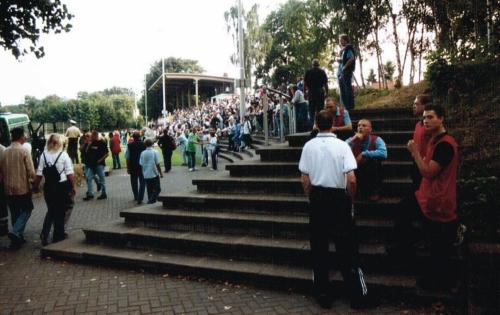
(56, 287)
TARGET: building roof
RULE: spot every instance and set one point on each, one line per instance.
(181, 78)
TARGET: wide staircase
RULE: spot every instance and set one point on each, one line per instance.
(250, 224)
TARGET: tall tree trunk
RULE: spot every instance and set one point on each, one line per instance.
(396, 41)
(420, 53)
(360, 66)
(379, 56)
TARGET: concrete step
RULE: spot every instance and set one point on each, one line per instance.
(392, 124)
(280, 153)
(273, 169)
(225, 157)
(394, 287)
(281, 185)
(398, 137)
(272, 204)
(236, 223)
(287, 251)
(235, 156)
(381, 113)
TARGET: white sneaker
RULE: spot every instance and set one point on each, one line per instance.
(191, 170)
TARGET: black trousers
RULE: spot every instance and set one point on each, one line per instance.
(58, 200)
(331, 217)
(316, 104)
(153, 188)
(369, 177)
(73, 149)
(167, 159)
(411, 226)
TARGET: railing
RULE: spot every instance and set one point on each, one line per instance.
(291, 114)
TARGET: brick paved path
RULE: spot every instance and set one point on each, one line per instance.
(31, 285)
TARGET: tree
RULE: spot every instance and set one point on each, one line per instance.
(22, 22)
(372, 78)
(389, 70)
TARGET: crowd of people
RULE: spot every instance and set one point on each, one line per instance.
(338, 166)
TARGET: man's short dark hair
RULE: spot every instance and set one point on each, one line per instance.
(148, 143)
(136, 135)
(438, 109)
(324, 120)
(345, 37)
(16, 133)
(425, 99)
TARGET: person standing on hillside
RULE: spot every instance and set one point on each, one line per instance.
(73, 133)
(434, 204)
(315, 88)
(18, 172)
(327, 166)
(347, 64)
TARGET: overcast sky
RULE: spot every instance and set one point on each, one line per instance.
(114, 42)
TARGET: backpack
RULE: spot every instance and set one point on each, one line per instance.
(50, 172)
(172, 145)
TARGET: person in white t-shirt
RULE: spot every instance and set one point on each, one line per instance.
(59, 192)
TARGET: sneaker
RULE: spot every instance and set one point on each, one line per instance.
(102, 196)
(87, 198)
(191, 169)
(15, 241)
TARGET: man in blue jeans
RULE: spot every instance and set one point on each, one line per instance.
(17, 172)
(347, 64)
(95, 156)
(151, 170)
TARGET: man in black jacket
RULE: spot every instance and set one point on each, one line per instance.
(132, 155)
(167, 145)
(95, 157)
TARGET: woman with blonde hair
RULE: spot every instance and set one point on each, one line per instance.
(59, 188)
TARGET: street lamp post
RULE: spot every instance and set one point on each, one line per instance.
(242, 61)
(164, 111)
(146, 98)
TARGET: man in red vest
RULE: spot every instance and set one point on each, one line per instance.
(369, 150)
(420, 137)
(342, 125)
(435, 202)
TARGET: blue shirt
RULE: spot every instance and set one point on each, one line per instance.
(380, 151)
(350, 55)
(347, 118)
(149, 160)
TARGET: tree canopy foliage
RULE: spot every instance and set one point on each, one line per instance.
(298, 31)
(22, 23)
(104, 110)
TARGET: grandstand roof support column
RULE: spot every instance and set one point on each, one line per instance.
(164, 111)
(196, 92)
(189, 97)
(176, 98)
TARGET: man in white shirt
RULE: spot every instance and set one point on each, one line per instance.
(327, 166)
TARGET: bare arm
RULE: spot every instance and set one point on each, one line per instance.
(306, 184)
(430, 170)
(351, 184)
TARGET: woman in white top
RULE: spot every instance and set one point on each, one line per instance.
(59, 187)
(213, 148)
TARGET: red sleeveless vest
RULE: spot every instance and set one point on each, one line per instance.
(339, 120)
(356, 145)
(437, 197)
(421, 138)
